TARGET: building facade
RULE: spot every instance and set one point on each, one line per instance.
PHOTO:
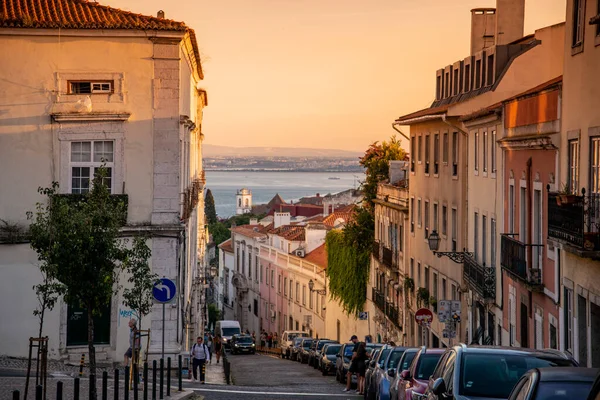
(121, 89)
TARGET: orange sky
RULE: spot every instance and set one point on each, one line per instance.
(323, 73)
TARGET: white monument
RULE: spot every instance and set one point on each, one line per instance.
(243, 201)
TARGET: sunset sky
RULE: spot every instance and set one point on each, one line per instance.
(323, 73)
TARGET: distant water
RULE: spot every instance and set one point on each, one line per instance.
(264, 185)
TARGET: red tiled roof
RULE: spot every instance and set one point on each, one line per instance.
(318, 256)
(251, 231)
(425, 112)
(345, 213)
(289, 232)
(81, 14)
(227, 246)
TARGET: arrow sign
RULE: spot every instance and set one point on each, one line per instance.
(164, 290)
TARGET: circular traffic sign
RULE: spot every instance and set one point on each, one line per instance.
(423, 316)
(164, 290)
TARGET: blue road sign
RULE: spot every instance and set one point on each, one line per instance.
(164, 290)
(364, 315)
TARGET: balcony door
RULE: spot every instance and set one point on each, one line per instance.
(537, 229)
(524, 326)
(594, 193)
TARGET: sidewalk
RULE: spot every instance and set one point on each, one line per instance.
(215, 375)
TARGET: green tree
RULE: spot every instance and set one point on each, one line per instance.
(78, 243)
(213, 315)
(209, 208)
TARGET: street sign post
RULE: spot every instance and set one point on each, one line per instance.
(444, 309)
(164, 292)
(363, 315)
(424, 317)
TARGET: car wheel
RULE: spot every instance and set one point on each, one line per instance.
(337, 376)
(324, 372)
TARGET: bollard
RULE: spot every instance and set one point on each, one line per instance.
(76, 389)
(38, 392)
(16, 395)
(162, 377)
(92, 387)
(59, 390)
(126, 390)
(153, 379)
(179, 379)
(135, 381)
(116, 385)
(104, 385)
(81, 362)
(145, 381)
(168, 376)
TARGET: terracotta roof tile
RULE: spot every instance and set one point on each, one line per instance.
(227, 246)
(344, 213)
(425, 112)
(318, 256)
(289, 232)
(251, 231)
(81, 14)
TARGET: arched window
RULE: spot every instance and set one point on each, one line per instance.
(247, 202)
(239, 202)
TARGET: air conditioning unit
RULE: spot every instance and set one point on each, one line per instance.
(300, 253)
(534, 276)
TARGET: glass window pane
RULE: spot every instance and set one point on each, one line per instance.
(103, 151)
(80, 151)
(80, 179)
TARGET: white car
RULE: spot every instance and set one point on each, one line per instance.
(287, 341)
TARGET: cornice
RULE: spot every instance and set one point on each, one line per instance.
(90, 117)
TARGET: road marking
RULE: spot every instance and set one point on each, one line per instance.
(275, 393)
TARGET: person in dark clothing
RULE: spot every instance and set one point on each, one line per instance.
(361, 366)
(352, 370)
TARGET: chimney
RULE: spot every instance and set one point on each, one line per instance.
(253, 221)
(483, 28)
(281, 218)
(510, 20)
(397, 171)
(160, 14)
(325, 209)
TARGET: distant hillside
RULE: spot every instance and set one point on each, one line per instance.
(210, 150)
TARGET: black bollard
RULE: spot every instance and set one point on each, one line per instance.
(16, 395)
(104, 385)
(145, 381)
(153, 379)
(162, 378)
(179, 379)
(76, 389)
(92, 388)
(59, 390)
(39, 392)
(116, 385)
(135, 381)
(168, 376)
(126, 391)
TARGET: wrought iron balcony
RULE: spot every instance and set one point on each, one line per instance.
(393, 315)
(481, 279)
(514, 261)
(376, 250)
(575, 221)
(379, 299)
(388, 257)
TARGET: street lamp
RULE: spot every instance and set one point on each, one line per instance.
(434, 245)
(311, 287)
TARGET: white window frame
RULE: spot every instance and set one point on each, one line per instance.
(493, 155)
(92, 165)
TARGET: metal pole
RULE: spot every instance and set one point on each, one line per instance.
(162, 377)
(135, 377)
(126, 385)
(162, 353)
(145, 380)
(76, 389)
(153, 379)
(16, 395)
(38, 392)
(104, 385)
(179, 379)
(168, 376)
(59, 390)
(92, 386)
(116, 384)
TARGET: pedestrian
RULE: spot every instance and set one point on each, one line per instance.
(254, 337)
(200, 355)
(209, 344)
(270, 340)
(134, 343)
(275, 341)
(218, 345)
(352, 370)
(263, 339)
(361, 367)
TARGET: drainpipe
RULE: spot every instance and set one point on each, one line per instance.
(529, 237)
(394, 125)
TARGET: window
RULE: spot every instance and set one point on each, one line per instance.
(444, 220)
(412, 215)
(483, 239)
(412, 268)
(569, 320)
(303, 295)
(436, 153)
(574, 166)
(267, 276)
(511, 208)
(256, 266)
(477, 74)
(454, 229)
(476, 152)
(86, 157)
(467, 78)
(272, 278)
(426, 275)
(419, 147)
(419, 275)
(582, 325)
(485, 151)
(427, 153)
(454, 292)
(297, 292)
(598, 25)
(89, 87)
(438, 87)
(426, 219)
(493, 151)
(578, 23)
(279, 284)
(250, 265)
(413, 156)
(490, 70)
(455, 83)
(454, 153)
(285, 287)
(595, 166)
(400, 237)
(444, 289)
(445, 150)
(435, 286)
(493, 243)
(447, 85)
(476, 236)
(291, 289)
(435, 217)
(419, 220)
(523, 215)
(310, 300)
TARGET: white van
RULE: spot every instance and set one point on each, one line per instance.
(287, 341)
(227, 329)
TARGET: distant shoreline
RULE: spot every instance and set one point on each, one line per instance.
(330, 171)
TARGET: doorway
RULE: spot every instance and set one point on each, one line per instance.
(77, 326)
(524, 326)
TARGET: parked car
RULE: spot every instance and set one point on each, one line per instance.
(295, 350)
(371, 362)
(376, 365)
(595, 392)
(328, 357)
(343, 362)
(383, 376)
(403, 364)
(485, 372)
(287, 342)
(304, 349)
(315, 352)
(416, 378)
(373, 346)
(554, 384)
(242, 344)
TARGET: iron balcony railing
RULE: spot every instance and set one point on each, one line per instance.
(393, 314)
(379, 299)
(575, 220)
(481, 279)
(388, 257)
(376, 250)
(514, 260)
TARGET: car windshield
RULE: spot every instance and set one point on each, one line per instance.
(406, 360)
(292, 336)
(494, 375)
(320, 345)
(297, 341)
(563, 390)
(427, 364)
(244, 339)
(306, 344)
(230, 331)
(348, 350)
(394, 358)
(332, 349)
(383, 356)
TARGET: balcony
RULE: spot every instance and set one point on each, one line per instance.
(377, 250)
(481, 279)
(575, 221)
(379, 299)
(514, 261)
(393, 314)
(388, 257)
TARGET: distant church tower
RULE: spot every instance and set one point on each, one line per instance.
(243, 202)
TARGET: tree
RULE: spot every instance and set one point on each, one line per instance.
(47, 293)
(209, 208)
(77, 241)
(213, 315)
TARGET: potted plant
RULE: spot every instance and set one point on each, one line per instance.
(565, 197)
(423, 297)
(433, 303)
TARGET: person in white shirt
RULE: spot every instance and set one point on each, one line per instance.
(200, 355)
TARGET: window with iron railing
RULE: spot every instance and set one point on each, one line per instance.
(454, 153)
(436, 154)
(427, 153)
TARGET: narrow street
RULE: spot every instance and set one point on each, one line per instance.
(261, 377)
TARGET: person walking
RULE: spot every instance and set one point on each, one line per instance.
(200, 355)
(134, 343)
(361, 367)
(209, 344)
(352, 370)
(270, 340)
(275, 341)
(218, 345)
